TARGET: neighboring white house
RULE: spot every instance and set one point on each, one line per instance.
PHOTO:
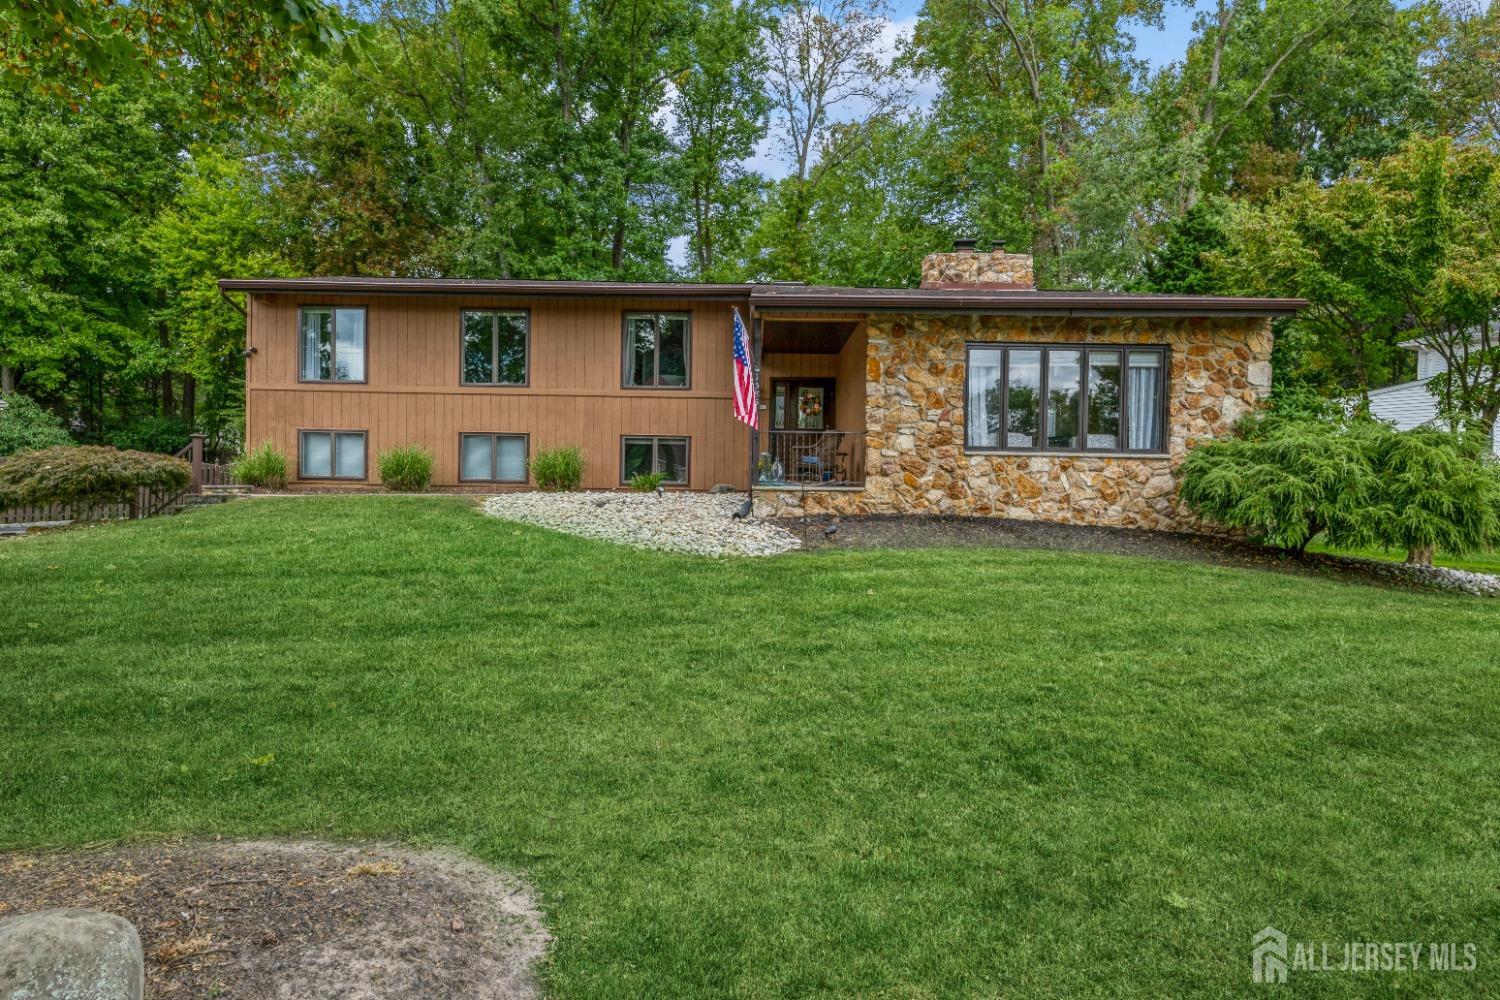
(1409, 404)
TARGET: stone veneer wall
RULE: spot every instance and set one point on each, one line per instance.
(978, 268)
(1220, 369)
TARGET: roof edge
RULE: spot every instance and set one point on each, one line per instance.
(772, 298)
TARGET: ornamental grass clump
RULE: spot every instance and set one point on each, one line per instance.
(264, 467)
(647, 482)
(89, 476)
(558, 469)
(406, 469)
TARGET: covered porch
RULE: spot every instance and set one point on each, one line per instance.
(812, 402)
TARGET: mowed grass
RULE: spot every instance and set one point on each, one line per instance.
(877, 773)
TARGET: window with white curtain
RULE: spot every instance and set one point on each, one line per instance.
(331, 455)
(492, 458)
(1066, 398)
(333, 344)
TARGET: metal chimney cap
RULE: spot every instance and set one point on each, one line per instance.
(997, 246)
(964, 246)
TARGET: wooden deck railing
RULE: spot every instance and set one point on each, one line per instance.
(146, 503)
(813, 458)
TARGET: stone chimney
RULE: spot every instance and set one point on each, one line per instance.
(967, 267)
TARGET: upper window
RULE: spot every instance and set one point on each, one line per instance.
(494, 347)
(667, 455)
(656, 350)
(333, 344)
(1069, 399)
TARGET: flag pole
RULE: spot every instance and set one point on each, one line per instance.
(755, 338)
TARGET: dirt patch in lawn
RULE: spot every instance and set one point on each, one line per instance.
(300, 920)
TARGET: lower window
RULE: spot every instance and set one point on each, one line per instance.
(667, 455)
(492, 458)
(1034, 397)
(331, 455)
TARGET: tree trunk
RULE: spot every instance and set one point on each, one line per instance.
(1419, 555)
(7, 378)
(189, 398)
(164, 338)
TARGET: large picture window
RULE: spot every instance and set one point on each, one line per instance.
(667, 455)
(1054, 398)
(494, 347)
(492, 458)
(331, 455)
(657, 350)
(332, 345)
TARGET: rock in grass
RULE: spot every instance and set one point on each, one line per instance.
(70, 954)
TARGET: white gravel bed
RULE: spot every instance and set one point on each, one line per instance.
(697, 523)
(1441, 577)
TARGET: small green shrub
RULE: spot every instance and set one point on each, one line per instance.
(264, 467)
(89, 475)
(167, 435)
(25, 426)
(558, 469)
(406, 469)
(647, 482)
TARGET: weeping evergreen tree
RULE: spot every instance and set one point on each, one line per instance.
(1286, 481)
(1356, 482)
(1437, 491)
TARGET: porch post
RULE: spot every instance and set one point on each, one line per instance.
(195, 453)
(755, 340)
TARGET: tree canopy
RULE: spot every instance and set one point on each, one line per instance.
(147, 148)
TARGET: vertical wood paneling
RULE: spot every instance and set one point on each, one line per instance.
(413, 393)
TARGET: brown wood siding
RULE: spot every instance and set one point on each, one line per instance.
(413, 394)
(850, 370)
(847, 369)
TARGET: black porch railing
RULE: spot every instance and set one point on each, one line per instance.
(811, 458)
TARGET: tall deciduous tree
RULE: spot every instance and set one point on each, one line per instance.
(219, 224)
(719, 111)
(1023, 82)
(1404, 248)
(76, 192)
(1253, 91)
(831, 83)
(227, 54)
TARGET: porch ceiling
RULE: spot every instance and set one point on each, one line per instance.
(806, 336)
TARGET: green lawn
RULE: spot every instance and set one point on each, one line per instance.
(1475, 562)
(886, 773)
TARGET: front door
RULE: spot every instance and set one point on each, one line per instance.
(801, 404)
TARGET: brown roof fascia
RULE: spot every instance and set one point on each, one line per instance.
(791, 297)
(461, 286)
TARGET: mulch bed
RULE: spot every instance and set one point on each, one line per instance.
(905, 531)
(298, 921)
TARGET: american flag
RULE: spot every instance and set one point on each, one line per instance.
(746, 397)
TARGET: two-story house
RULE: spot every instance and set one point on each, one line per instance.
(973, 394)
